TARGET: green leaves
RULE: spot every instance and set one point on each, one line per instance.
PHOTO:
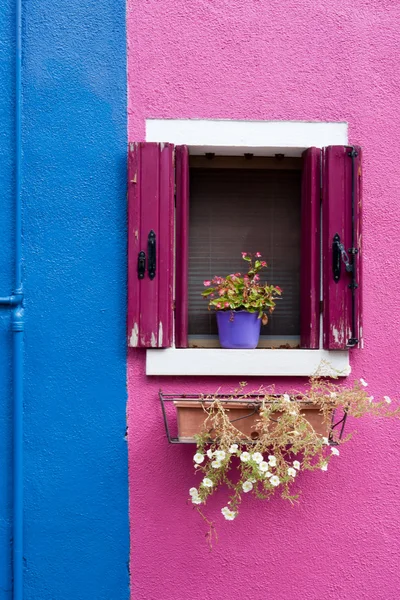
(237, 292)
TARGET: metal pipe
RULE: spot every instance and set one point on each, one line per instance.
(15, 302)
(17, 326)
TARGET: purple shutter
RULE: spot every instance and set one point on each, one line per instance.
(310, 249)
(150, 232)
(182, 246)
(341, 208)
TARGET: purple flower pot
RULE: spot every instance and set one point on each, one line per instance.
(238, 329)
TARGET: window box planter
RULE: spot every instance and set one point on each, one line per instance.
(190, 416)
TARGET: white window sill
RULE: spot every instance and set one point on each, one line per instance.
(205, 361)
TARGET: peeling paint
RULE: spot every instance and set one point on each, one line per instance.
(153, 341)
(160, 334)
(336, 335)
(134, 339)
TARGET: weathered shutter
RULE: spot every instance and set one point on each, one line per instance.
(150, 244)
(341, 209)
(310, 249)
(182, 246)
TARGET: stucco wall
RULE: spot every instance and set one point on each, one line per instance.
(74, 272)
(286, 61)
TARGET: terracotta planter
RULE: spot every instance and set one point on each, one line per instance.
(191, 417)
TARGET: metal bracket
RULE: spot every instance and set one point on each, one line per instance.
(151, 253)
(141, 267)
(336, 258)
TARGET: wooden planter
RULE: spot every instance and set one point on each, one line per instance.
(191, 417)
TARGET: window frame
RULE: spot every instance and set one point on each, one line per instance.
(236, 138)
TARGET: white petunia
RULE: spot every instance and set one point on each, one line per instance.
(333, 394)
(370, 398)
(263, 466)
(198, 458)
(245, 457)
(275, 480)
(296, 465)
(292, 412)
(292, 472)
(219, 454)
(228, 513)
(325, 440)
(247, 486)
(196, 500)
(335, 451)
(216, 464)
(286, 397)
(207, 482)
(268, 474)
(387, 399)
(363, 382)
(257, 457)
(272, 460)
(193, 491)
(210, 453)
(324, 467)
(233, 448)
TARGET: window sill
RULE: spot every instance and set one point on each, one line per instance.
(204, 361)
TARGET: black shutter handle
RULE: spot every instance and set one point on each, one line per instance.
(336, 258)
(141, 265)
(151, 254)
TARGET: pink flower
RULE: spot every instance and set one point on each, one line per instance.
(237, 274)
(278, 289)
(256, 277)
(244, 254)
(207, 283)
(263, 264)
(226, 304)
(221, 292)
(258, 255)
(219, 305)
(212, 295)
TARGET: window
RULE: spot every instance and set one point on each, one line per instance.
(178, 240)
(245, 204)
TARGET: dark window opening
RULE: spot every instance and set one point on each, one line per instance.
(238, 209)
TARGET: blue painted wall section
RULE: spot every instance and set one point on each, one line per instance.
(74, 246)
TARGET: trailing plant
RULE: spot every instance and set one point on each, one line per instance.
(237, 292)
(287, 444)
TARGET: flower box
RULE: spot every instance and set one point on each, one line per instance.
(244, 415)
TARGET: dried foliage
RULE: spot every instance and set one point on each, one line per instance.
(287, 443)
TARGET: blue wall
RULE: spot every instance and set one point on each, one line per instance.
(74, 224)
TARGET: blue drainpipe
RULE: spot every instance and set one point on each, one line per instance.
(15, 302)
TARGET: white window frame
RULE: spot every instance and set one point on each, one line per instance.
(225, 137)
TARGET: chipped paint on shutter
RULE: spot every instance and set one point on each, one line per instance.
(310, 249)
(342, 318)
(150, 209)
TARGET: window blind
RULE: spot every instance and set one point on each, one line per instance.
(245, 210)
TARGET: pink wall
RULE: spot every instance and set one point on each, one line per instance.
(287, 61)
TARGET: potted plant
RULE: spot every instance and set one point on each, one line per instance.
(286, 444)
(242, 303)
